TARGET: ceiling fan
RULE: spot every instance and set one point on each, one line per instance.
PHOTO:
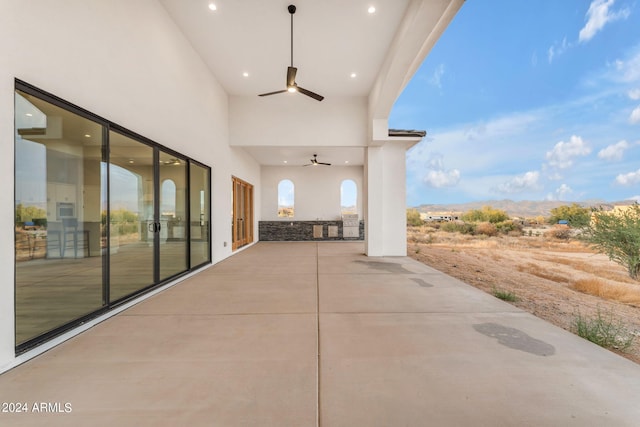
(292, 86)
(315, 162)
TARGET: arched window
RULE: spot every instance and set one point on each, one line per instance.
(348, 197)
(285, 199)
(168, 199)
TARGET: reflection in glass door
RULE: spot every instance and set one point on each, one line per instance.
(132, 215)
(199, 184)
(173, 215)
(59, 195)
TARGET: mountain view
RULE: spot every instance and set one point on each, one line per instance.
(522, 208)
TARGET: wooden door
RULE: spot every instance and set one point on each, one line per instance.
(242, 227)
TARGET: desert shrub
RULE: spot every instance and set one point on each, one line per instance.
(603, 330)
(458, 227)
(575, 215)
(486, 214)
(509, 226)
(505, 295)
(618, 236)
(413, 218)
(486, 228)
(559, 231)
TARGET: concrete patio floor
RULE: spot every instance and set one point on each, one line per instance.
(306, 334)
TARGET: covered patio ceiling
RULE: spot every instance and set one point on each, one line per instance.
(300, 156)
(332, 39)
(354, 48)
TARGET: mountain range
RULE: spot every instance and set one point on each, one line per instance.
(522, 208)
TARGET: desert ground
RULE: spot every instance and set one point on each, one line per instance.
(549, 277)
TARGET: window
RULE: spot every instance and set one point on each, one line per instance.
(348, 197)
(286, 199)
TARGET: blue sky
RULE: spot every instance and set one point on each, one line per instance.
(528, 100)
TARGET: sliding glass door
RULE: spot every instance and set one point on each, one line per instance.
(60, 199)
(148, 188)
(199, 184)
(173, 215)
(131, 216)
(101, 215)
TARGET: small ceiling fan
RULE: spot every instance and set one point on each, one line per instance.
(314, 162)
(292, 86)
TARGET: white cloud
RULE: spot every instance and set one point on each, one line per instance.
(550, 54)
(525, 182)
(430, 169)
(557, 49)
(563, 153)
(598, 16)
(625, 70)
(629, 178)
(442, 178)
(435, 161)
(634, 94)
(629, 70)
(613, 152)
(634, 118)
(636, 198)
(436, 79)
(562, 192)
(473, 147)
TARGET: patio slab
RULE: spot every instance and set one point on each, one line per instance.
(468, 370)
(394, 342)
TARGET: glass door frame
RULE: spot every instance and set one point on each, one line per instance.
(208, 198)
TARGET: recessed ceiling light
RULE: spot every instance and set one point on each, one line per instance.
(371, 9)
(346, 161)
(212, 6)
(86, 135)
(29, 115)
(245, 74)
(284, 161)
(353, 75)
(131, 161)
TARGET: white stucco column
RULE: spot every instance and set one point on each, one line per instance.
(385, 204)
(373, 201)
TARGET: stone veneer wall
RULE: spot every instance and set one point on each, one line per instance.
(300, 230)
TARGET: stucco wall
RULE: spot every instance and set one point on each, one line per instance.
(295, 120)
(317, 190)
(127, 62)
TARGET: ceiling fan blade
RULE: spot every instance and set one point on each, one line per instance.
(291, 76)
(325, 164)
(273, 93)
(309, 93)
